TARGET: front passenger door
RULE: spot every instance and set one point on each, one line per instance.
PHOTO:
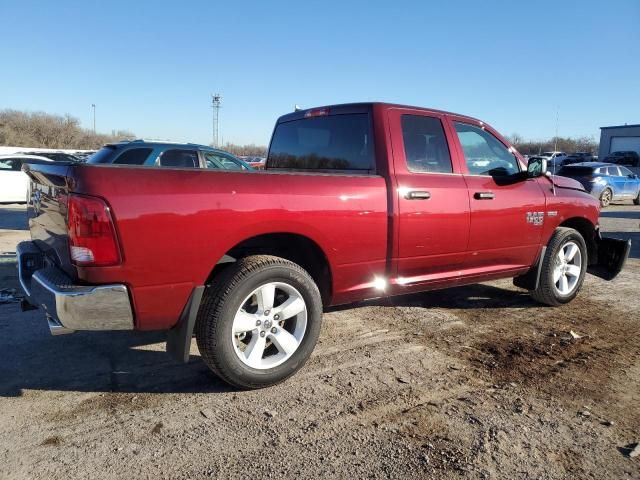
(507, 212)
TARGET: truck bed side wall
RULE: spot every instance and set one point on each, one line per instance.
(175, 225)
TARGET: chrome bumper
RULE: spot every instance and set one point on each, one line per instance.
(70, 307)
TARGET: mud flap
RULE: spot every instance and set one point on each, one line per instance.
(179, 337)
(612, 255)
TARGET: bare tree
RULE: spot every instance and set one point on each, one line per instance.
(43, 130)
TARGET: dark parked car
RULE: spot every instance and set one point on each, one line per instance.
(605, 181)
(55, 156)
(628, 158)
(163, 154)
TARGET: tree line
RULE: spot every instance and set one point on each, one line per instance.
(44, 130)
(561, 144)
(251, 150)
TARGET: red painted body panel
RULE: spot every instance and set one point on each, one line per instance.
(174, 225)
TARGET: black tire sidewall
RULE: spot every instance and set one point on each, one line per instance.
(602, 204)
(566, 237)
(243, 374)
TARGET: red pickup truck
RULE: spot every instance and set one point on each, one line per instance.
(357, 201)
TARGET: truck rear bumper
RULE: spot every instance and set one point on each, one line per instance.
(70, 307)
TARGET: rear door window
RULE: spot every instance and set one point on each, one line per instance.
(326, 143)
(179, 158)
(425, 145)
(133, 156)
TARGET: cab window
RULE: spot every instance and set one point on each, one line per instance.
(484, 153)
(425, 145)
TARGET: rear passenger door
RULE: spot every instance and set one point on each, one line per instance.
(507, 212)
(617, 182)
(431, 196)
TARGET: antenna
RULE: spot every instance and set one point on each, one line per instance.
(555, 140)
(216, 101)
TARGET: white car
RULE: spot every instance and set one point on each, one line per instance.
(14, 183)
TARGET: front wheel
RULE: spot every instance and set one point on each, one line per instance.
(563, 268)
(605, 197)
(259, 321)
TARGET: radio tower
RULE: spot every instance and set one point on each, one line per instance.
(216, 100)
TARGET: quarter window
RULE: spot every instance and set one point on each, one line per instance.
(425, 145)
(220, 161)
(133, 156)
(484, 153)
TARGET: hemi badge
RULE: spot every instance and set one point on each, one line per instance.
(535, 218)
(552, 213)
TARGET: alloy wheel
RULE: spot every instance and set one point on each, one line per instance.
(269, 325)
(567, 269)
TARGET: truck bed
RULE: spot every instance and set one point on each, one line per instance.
(174, 226)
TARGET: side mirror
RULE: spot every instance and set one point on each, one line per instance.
(536, 167)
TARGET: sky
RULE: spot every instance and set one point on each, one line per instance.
(150, 67)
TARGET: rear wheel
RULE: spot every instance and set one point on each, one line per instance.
(605, 197)
(259, 321)
(636, 201)
(563, 268)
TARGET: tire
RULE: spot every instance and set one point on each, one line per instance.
(234, 300)
(605, 197)
(549, 290)
(636, 201)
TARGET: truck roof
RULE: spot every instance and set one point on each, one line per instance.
(362, 107)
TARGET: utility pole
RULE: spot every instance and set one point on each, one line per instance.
(216, 100)
(93, 106)
(555, 143)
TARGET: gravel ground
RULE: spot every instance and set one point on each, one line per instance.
(475, 382)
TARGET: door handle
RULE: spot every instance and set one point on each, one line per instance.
(484, 196)
(417, 195)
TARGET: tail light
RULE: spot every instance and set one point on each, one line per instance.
(92, 235)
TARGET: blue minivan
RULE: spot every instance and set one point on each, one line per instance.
(605, 181)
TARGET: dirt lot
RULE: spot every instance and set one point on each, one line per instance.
(477, 382)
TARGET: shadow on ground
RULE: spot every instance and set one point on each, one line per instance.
(630, 214)
(32, 359)
(137, 362)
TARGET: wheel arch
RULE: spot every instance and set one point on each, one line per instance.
(295, 247)
(588, 231)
